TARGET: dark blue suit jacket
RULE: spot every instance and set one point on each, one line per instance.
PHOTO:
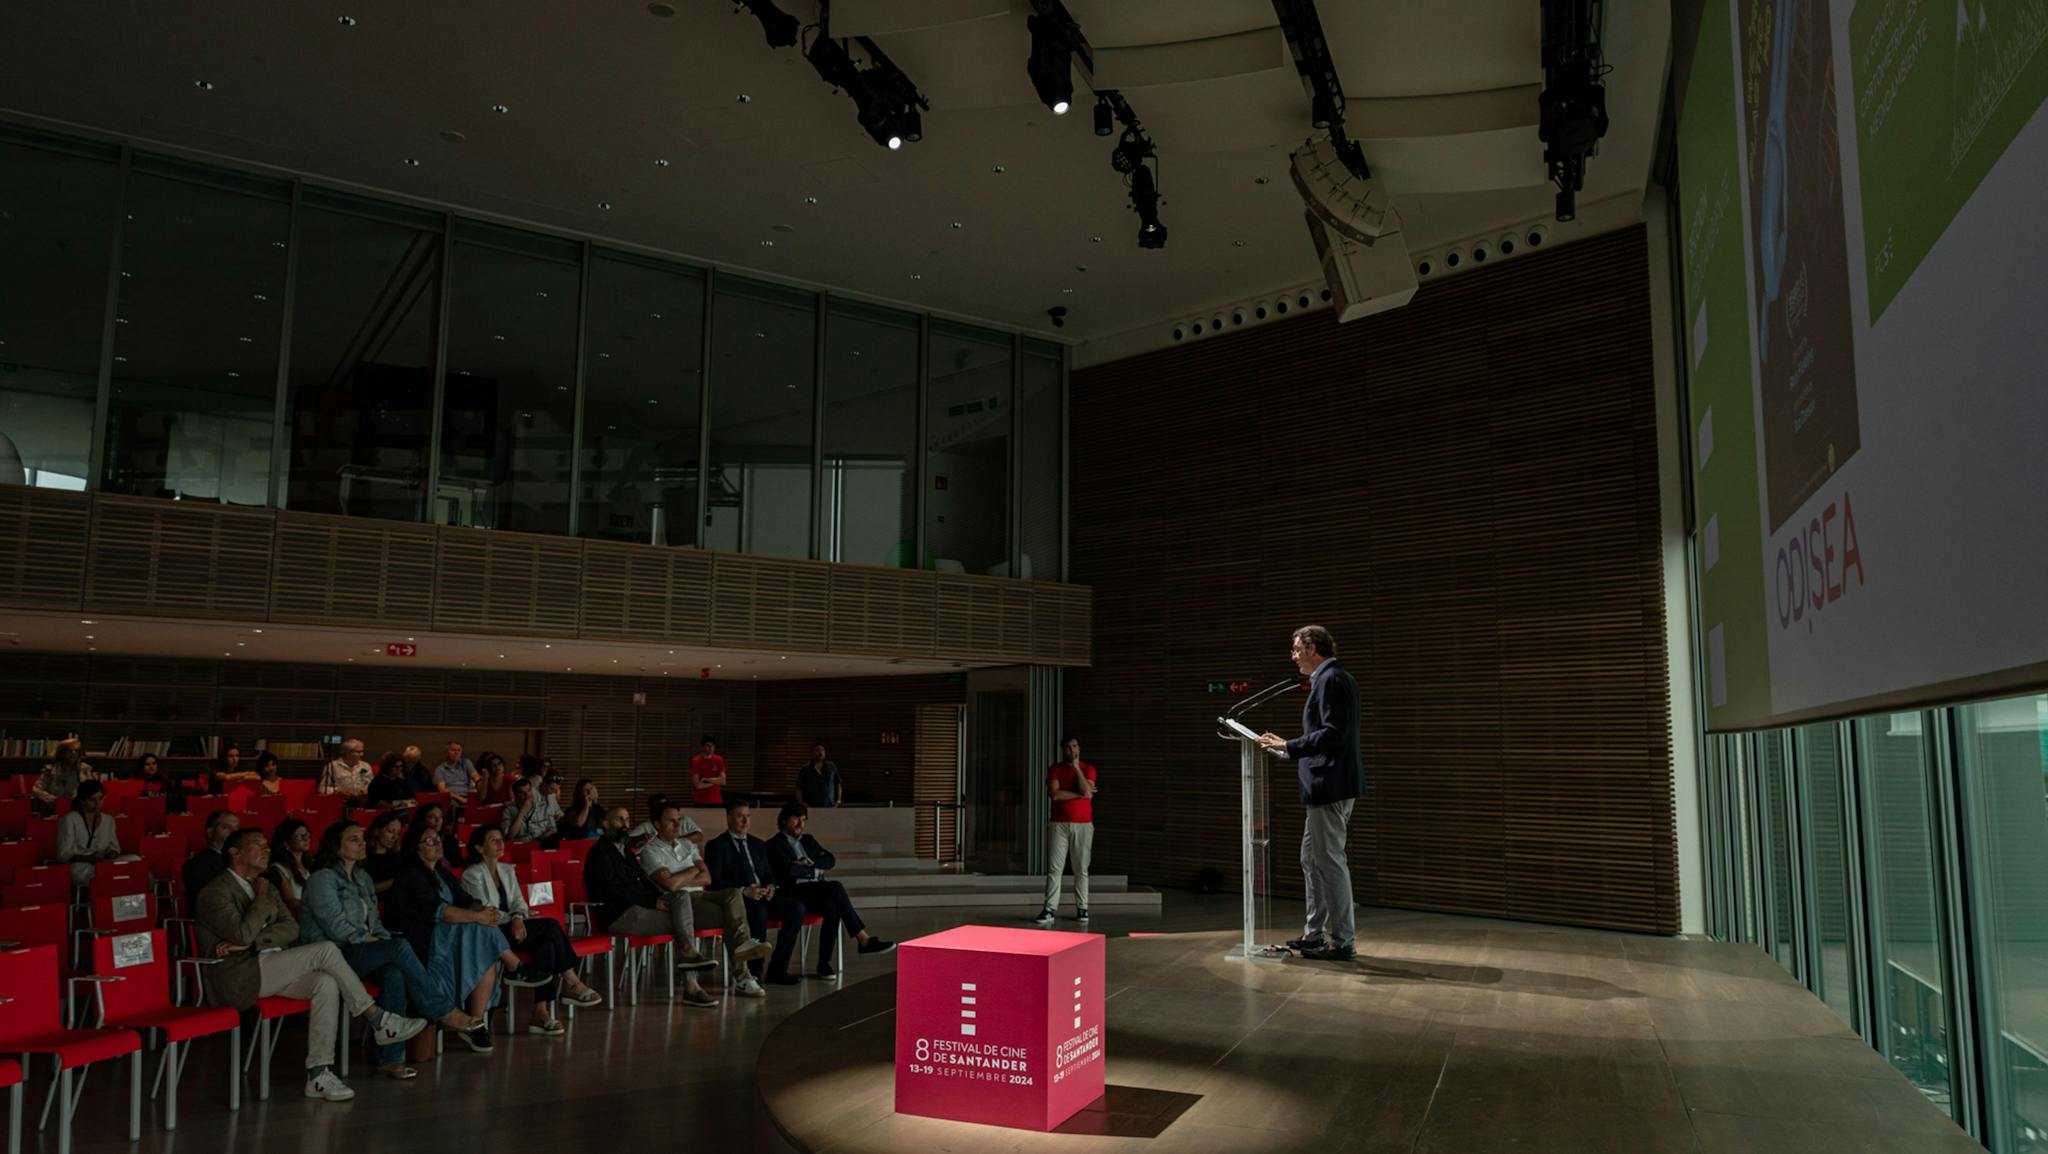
(722, 855)
(784, 858)
(1326, 755)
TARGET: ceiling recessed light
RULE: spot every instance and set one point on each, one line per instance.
(743, 98)
(240, 644)
(660, 163)
(412, 162)
(810, 200)
(203, 85)
(957, 224)
(412, 639)
(501, 657)
(89, 637)
(999, 170)
(604, 356)
(653, 316)
(255, 631)
(497, 336)
(1261, 180)
(652, 401)
(500, 109)
(1094, 240)
(85, 622)
(767, 244)
(1238, 243)
(260, 296)
(547, 647)
(345, 21)
(233, 375)
(917, 276)
(604, 205)
(1068, 291)
(246, 340)
(122, 357)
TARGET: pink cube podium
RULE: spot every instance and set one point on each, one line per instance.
(999, 1026)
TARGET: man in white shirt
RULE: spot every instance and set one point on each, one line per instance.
(676, 867)
(348, 775)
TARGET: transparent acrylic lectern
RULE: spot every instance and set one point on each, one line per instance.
(1256, 833)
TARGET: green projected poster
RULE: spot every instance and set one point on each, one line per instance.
(1941, 89)
(1716, 304)
(1806, 357)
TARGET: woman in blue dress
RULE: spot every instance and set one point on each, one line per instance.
(455, 936)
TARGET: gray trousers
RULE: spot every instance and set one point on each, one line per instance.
(1062, 840)
(1325, 874)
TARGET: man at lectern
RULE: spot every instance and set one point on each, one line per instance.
(1326, 759)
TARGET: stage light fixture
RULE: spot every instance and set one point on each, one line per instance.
(886, 102)
(1051, 63)
(1572, 108)
(780, 27)
(1105, 117)
(1145, 202)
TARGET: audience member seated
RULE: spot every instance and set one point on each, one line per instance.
(156, 783)
(206, 865)
(61, 776)
(455, 775)
(85, 836)
(493, 882)
(656, 802)
(799, 864)
(341, 907)
(493, 780)
(348, 775)
(676, 867)
(387, 833)
(534, 813)
(291, 862)
(455, 935)
(436, 818)
(227, 770)
(585, 817)
(242, 923)
(739, 861)
(418, 774)
(389, 788)
(626, 901)
(266, 778)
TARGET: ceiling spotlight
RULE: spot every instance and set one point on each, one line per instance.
(412, 162)
(1054, 37)
(660, 163)
(780, 27)
(1105, 117)
(345, 21)
(203, 85)
(886, 102)
(1145, 202)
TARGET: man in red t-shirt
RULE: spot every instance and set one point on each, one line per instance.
(1071, 784)
(707, 775)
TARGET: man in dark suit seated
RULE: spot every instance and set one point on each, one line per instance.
(740, 861)
(800, 863)
(1332, 774)
(211, 862)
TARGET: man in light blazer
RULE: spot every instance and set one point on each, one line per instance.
(244, 926)
(1332, 774)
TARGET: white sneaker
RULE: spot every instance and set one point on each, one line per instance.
(326, 1085)
(392, 1029)
(749, 988)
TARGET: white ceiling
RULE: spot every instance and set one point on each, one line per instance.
(1443, 91)
(154, 637)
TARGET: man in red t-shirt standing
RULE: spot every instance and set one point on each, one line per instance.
(1071, 783)
(707, 775)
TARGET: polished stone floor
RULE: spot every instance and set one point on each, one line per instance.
(1450, 1034)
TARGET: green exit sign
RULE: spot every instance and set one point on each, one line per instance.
(1238, 688)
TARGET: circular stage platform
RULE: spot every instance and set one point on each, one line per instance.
(1448, 1034)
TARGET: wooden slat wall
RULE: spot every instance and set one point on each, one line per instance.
(849, 716)
(1465, 491)
(935, 774)
(112, 554)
